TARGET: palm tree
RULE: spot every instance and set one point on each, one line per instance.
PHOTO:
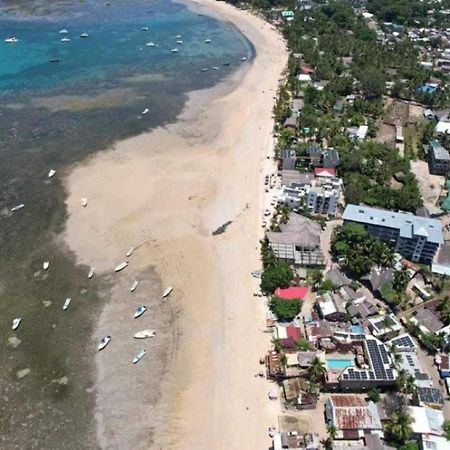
(387, 256)
(445, 309)
(401, 279)
(317, 369)
(406, 383)
(399, 427)
(332, 432)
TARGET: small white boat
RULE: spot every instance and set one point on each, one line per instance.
(84, 35)
(63, 31)
(138, 357)
(65, 39)
(46, 265)
(139, 311)
(121, 266)
(179, 41)
(244, 58)
(130, 251)
(18, 207)
(104, 342)
(174, 50)
(144, 28)
(167, 292)
(11, 40)
(150, 44)
(178, 36)
(215, 68)
(146, 110)
(84, 202)
(208, 41)
(205, 69)
(134, 286)
(67, 303)
(144, 334)
(91, 272)
(16, 323)
(51, 173)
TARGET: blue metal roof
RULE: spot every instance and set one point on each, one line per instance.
(408, 224)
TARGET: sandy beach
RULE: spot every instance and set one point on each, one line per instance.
(164, 193)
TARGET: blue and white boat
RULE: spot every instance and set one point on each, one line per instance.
(139, 311)
(139, 356)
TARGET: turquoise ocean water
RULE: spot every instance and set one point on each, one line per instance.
(53, 114)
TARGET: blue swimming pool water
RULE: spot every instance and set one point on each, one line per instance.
(358, 329)
(333, 363)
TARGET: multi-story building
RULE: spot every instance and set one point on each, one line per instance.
(416, 238)
(438, 158)
(319, 195)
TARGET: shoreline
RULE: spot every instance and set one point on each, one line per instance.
(202, 172)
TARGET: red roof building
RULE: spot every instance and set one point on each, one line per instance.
(293, 292)
(324, 172)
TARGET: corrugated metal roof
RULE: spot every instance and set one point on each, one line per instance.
(352, 412)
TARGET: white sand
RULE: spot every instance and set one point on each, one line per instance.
(166, 191)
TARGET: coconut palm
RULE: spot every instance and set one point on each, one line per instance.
(399, 427)
(401, 279)
(317, 369)
(406, 383)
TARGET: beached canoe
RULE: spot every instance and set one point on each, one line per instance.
(16, 323)
(130, 251)
(104, 342)
(18, 207)
(144, 334)
(139, 311)
(66, 303)
(121, 266)
(91, 272)
(134, 286)
(138, 357)
(167, 292)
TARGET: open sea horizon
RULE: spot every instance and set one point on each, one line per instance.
(61, 102)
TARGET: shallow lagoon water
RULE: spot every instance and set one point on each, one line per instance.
(53, 115)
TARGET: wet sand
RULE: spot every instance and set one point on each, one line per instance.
(165, 192)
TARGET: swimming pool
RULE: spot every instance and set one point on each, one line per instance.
(358, 329)
(334, 363)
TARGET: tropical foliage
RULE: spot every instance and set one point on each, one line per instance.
(358, 250)
(317, 370)
(285, 310)
(398, 429)
(275, 276)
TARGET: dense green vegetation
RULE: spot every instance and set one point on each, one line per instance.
(359, 251)
(285, 310)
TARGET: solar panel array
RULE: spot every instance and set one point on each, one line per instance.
(403, 341)
(379, 362)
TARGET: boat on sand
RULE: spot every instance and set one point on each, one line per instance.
(84, 202)
(167, 292)
(134, 286)
(130, 252)
(139, 356)
(121, 266)
(91, 272)
(139, 311)
(144, 334)
(16, 208)
(104, 342)
(16, 323)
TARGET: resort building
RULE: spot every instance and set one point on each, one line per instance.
(298, 242)
(352, 416)
(329, 308)
(384, 327)
(416, 238)
(438, 158)
(372, 366)
(320, 195)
